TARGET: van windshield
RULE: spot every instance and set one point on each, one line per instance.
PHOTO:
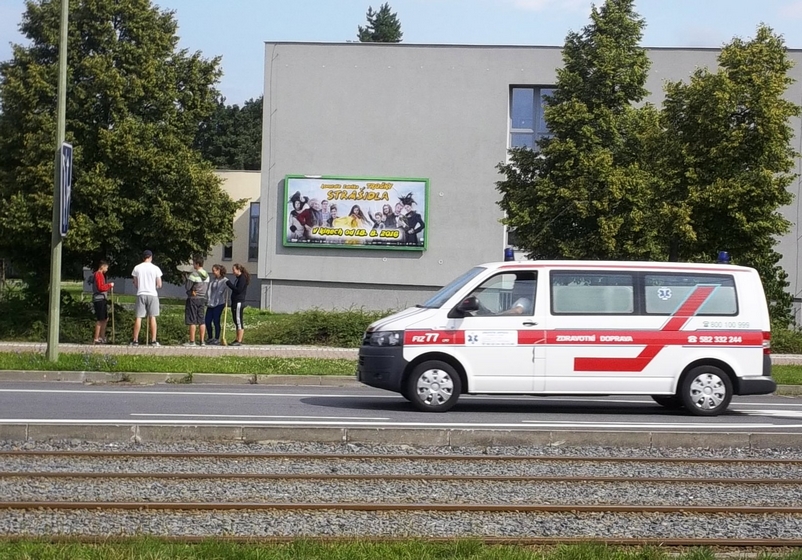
(445, 293)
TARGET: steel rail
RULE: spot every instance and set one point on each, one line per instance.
(395, 477)
(377, 456)
(510, 541)
(376, 507)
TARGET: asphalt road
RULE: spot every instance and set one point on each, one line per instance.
(253, 405)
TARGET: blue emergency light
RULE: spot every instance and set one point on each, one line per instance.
(723, 257)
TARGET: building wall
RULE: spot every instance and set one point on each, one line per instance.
(394, 110)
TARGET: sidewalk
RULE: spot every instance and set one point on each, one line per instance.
(250, 351)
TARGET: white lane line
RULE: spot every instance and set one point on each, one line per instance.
(124, 393)
(259, 416)
(473, 425)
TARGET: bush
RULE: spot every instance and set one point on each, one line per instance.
(312, 327)
(786, 341)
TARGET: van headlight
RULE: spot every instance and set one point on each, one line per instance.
(387, 338)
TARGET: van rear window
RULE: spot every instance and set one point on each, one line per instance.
(592, 293)
(664, 293)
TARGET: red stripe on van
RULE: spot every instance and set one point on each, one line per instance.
(414, 338)
(634, 365)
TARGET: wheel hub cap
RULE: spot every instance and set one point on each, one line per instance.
(708, 391)
(435, 387)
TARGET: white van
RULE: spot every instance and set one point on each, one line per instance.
(689, 335)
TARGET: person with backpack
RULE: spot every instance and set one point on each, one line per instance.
(100, 302)
(197, 286)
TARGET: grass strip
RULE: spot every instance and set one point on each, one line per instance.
(787, 375)
(152, 549)
(176, 364)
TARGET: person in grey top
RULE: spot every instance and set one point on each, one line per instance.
(197, 286)
(218, 294)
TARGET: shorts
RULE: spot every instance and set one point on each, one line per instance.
(101, 309)
(195, 311)
(146, 306)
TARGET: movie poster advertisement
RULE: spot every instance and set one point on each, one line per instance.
(361, 213)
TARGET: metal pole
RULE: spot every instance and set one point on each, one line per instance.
(55, 244)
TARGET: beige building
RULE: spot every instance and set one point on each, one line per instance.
(245, 247)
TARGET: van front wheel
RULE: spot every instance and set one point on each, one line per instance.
(706, 391)
(434, 386)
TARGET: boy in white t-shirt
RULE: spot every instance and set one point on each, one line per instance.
(147, 280)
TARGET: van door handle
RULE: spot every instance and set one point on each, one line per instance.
(530, 323)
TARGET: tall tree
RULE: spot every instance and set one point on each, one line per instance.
(134, 102)
(585, 194)
(382, 27)
(725, 160)
(231, 138)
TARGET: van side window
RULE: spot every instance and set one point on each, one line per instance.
(592, 293)
(666, 292)
(509, 293)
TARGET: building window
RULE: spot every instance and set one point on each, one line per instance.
(228, 249)
(253, 233)
(527, 121)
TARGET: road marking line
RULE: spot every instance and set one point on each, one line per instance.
(259, 416)
(564, 425)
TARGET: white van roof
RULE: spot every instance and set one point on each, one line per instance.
(622, 265)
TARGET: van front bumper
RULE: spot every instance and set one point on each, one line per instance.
(382, 367)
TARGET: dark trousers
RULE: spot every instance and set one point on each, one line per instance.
(213, 315)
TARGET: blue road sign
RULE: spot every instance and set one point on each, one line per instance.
(65, 186)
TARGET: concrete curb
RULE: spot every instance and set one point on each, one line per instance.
(100, 378)
(444, 437)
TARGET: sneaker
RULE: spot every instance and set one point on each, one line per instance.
(154, 343)
(98, 342)
(192, 344)
(133, 343)
(211, 342)
(235, 343)
(201, 343)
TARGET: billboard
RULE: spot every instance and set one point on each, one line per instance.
(355, 213)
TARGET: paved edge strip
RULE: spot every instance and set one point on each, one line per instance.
(99, 378)
(441, 437)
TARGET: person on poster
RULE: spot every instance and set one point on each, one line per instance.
(388, 217)
(316, 213)
(325, 213)
(300, 222)
(414, 222)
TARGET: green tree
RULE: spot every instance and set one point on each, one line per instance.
(134, 102)
(726, 161)
(231, 138)
(382, 27)
(586, 194)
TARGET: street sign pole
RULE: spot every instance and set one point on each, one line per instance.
(55, 246)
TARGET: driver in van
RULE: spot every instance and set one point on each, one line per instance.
(523, 300)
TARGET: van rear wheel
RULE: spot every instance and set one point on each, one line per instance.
(433, 386)
(671, 402)
(706, 391)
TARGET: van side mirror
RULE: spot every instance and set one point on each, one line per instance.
(465, 307)
(468, 305)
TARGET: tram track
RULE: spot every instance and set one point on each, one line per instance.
(512, 498)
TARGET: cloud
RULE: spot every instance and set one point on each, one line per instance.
(553, 5)
(792, 10)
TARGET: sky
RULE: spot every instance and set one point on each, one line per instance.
(237, 29)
